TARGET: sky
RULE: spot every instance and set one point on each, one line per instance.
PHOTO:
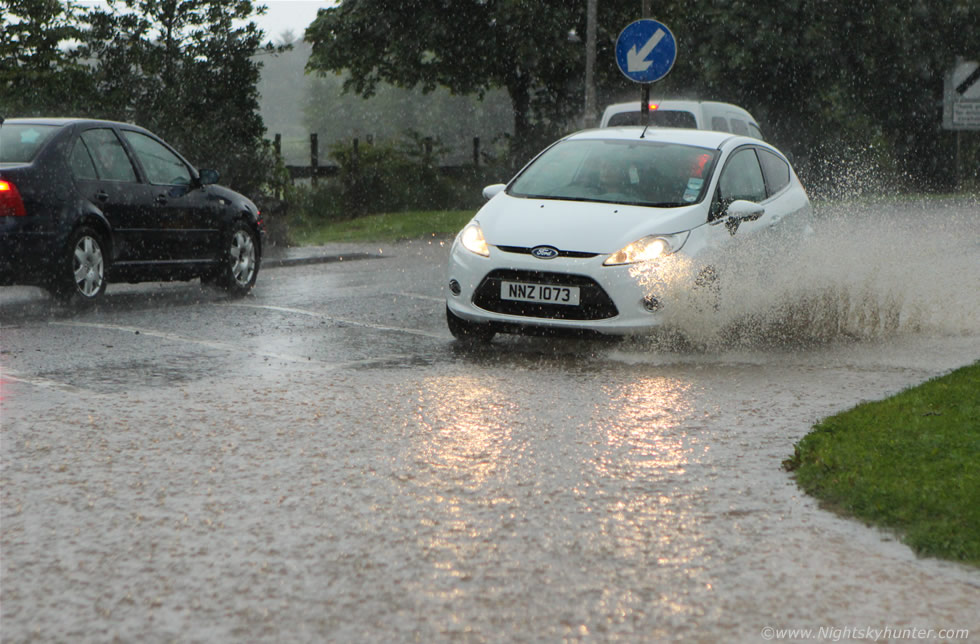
(288, 14)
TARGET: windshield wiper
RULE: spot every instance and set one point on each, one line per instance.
(666, 204)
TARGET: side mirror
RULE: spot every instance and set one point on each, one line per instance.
(741, 210)
(208, 177)
(493, 190)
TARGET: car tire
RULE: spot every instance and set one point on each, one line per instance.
(239, 261)
(465, 331)
(80, 273)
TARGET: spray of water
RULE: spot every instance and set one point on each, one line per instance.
(868, 270)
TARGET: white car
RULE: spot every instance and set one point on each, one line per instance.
(700, 115)
(585, 237)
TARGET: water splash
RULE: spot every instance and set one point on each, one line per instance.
(869, 270)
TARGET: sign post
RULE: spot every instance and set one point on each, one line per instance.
(645, 53)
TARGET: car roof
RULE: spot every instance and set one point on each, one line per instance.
(65, 120)
(676, 103)
(685, 136)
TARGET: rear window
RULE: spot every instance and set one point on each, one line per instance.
(20, 142)
(658, 118)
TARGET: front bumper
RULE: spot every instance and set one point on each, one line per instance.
(615, 300)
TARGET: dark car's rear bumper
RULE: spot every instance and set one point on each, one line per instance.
(26, 256)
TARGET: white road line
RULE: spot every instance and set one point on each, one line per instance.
(221, 346)
(47, 383)
(226, 347)
(418, 296)
(331, 318)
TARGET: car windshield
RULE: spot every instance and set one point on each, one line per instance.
(20, 142)
(643, 173)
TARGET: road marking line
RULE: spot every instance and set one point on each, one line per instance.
(331, 318)
(419, 296)
(221, 346)
(47, 383)
(224, 346)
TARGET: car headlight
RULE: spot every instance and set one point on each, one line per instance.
(647, 249)
(472, 240)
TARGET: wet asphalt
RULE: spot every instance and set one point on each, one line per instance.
(320, 461)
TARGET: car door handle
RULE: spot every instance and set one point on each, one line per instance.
(161, 200)
(102, 196)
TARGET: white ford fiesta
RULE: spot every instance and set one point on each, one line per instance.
(584, 238)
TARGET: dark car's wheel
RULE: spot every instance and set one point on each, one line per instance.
(80, 272)
(468, 331)
(240, 263)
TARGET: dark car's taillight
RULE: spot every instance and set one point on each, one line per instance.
(10, 201)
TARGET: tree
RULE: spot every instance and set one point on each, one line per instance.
(39, 75)
(467, 46)
(185, 69)
(834, 78)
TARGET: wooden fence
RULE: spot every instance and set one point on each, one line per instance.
(314, 170)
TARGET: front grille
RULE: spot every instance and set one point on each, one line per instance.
(524, 250)
(594, 303)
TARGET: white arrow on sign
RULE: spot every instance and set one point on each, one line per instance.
(636, 60)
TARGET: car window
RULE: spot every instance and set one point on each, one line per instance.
(162, 166)
(111, 160)
(80, 160)
(20, 142)
(643, 173)
(742, 178)
(755, 132)
(740, 127)
(775, 170)
(719, 124)
(659, 118)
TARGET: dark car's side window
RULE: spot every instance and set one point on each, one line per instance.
(162, 166)
(111, 160)
(82, 166)
(776, 171)
(742, 178)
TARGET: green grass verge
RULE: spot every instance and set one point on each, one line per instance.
(910, 463)
(381, 228)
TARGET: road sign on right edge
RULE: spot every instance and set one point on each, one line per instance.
(961, 96)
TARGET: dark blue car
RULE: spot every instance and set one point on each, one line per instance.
(86, 202)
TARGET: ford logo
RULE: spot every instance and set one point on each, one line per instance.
(544, 252)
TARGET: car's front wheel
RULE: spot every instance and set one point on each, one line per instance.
(466, 331)
(240, 261)
(80, 272)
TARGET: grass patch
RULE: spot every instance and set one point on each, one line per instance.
(910, 463)
(381, 228)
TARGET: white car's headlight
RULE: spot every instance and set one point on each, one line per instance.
(647, 249)
(472, 240)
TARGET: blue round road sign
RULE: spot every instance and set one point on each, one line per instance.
(645, 51)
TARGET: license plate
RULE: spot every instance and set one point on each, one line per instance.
(546, 293)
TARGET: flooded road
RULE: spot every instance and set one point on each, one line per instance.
(321, 462)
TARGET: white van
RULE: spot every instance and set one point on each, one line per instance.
(698, 115)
